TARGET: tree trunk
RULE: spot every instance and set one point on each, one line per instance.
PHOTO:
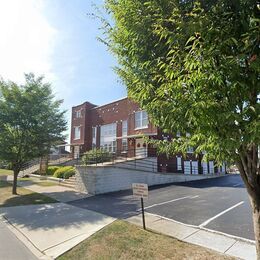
(256, 220)
(16, 172)
(249, 169)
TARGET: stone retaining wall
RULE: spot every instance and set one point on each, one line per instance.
(104, 179)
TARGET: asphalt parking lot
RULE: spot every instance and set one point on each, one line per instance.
(219, 204)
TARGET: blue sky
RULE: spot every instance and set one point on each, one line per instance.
(57, 38)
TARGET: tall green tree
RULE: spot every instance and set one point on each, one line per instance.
(30, 122)
(195, 67)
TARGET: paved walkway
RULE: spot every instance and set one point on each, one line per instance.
(219, 242)
(48, 230)
(52, 229)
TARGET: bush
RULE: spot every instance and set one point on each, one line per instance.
(64, 172)
(52, 169)
(96, 156)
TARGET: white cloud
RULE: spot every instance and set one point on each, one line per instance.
(27, 40)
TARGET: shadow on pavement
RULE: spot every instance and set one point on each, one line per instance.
(49, 216)
(116, 204)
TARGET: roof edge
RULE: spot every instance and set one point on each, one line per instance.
(114, 101)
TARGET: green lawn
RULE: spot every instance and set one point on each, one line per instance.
(38, 182)
(121, 240)
(25, 197)
(5, 172)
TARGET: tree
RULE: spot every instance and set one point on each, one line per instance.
(30, 122)
(194, 66)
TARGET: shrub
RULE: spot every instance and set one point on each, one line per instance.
(69, 173)
(64, 172)
(96, 156)
(52, 169)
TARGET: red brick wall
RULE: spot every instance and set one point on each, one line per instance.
(83, 122)
(117, 112)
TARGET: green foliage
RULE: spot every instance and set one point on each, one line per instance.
(52, 169)
(64, 172)
(96, 156)
(30, 120)
(194, 66)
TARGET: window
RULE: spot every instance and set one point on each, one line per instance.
(124, 145)
(190, 149)
(77, 132)
(124, 128)
(141, 120)
(78, 114)
(179, 166)
(108, 137)
(94, 137)
(178, 134)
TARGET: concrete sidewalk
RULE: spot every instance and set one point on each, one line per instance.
(49, 230)
(233, 246)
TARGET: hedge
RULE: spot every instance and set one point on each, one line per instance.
(64, 172)
(96, 156)
(52, 169)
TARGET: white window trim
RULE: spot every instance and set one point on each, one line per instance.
(94, 139)
(126, 122)
(104, 132)
(179, 166)
(78, 114)
(77, 138)
(142, 127)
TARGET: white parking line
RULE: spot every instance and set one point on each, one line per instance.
(238, 184)
(169, 201)
(205, 223)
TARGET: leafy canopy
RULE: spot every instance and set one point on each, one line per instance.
(194, 66)
(30, 120)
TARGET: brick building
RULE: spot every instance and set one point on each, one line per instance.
(119, 127)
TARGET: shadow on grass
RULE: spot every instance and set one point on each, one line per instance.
(24, 196)
(27, 199)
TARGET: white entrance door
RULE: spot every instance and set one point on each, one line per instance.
(205, 167)
(140, 148)
(223, 168)
(187, 168)
(195, 167)
(211, 167)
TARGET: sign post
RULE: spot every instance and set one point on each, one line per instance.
(140, 190)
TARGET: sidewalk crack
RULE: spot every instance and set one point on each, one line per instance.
(191, 234)
(230, 246)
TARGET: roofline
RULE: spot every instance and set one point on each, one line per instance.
(85, 103)
(114, 101)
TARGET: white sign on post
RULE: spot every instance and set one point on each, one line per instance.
(140, 190)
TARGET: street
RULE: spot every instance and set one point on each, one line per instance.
(11, 247)
(219, 204)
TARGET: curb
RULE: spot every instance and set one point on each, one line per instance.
(230, 245)
(28, 243)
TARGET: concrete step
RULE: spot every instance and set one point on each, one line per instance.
(69, 185)
(70, 181)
